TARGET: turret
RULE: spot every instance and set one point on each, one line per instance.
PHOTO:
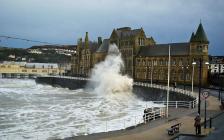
(200, 36)
(86, 41)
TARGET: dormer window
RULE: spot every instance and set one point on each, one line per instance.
(199, 48)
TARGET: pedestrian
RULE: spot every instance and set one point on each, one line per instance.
(197, 124)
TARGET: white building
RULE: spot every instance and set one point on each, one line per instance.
(217, 67)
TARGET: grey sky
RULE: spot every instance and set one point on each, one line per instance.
(64, 21)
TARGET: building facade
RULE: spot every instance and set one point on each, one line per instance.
(216, 65)
(82, 61)
(25, 69)
(129, 43)
(145, 60)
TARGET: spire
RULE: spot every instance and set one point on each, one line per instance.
(79, 43)
(86, 40)
(200, 35)
(192, 37)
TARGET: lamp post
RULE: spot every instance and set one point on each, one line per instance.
(219, 82)
(199, 85)
(168, 86)
(192, 78)
(205, 94)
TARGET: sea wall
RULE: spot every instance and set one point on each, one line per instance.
(156, 94)
(62, 82)
(146, 93)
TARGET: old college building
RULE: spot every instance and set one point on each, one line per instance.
(144, 59)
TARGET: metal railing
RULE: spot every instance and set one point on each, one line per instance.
(177, 90)
(190, 104)
(178, 104)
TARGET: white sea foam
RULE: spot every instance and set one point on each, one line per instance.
(33, 111)
(106, 76)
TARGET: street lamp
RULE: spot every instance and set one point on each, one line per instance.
(192, 79)
(151, 71)
(168, 86)
(199, 85)
(219, 82)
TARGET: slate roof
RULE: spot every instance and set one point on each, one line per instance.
(104, 46)
(163, 49)
(200, 35)
(127, 32)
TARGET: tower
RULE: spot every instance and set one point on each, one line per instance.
(86, 41)
(199, 50)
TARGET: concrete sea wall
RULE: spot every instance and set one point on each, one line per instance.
(62, 82)
(146, 93)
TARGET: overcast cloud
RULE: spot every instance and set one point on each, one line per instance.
(64, 21)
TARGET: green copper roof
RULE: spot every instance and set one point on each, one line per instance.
(200, 35)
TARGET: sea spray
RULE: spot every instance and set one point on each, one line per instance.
(106, 75)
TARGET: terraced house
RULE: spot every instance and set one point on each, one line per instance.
(145, 60)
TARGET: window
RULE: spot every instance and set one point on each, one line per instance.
(143, 61)
(54, 71)
(188, 77)
(24, 70)
(174, 62)
(44, 70)
(199, 48)
(180, 62)
(161, 62)
(149, 62)
(154, 62)
(34, 70)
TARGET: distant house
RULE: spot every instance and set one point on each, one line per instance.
(67, 50)
(216, 64)
(24, 68)
(12, 56)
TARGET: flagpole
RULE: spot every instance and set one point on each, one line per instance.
(168, 86)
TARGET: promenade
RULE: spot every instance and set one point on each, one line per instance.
(157, 130)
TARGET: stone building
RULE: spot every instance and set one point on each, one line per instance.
(24, 69)
(144, 59)
(82, 61)
(216, 64)
(129, 42)
(152, 60)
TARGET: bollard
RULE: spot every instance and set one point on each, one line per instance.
(176, 104)
(210, 123)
